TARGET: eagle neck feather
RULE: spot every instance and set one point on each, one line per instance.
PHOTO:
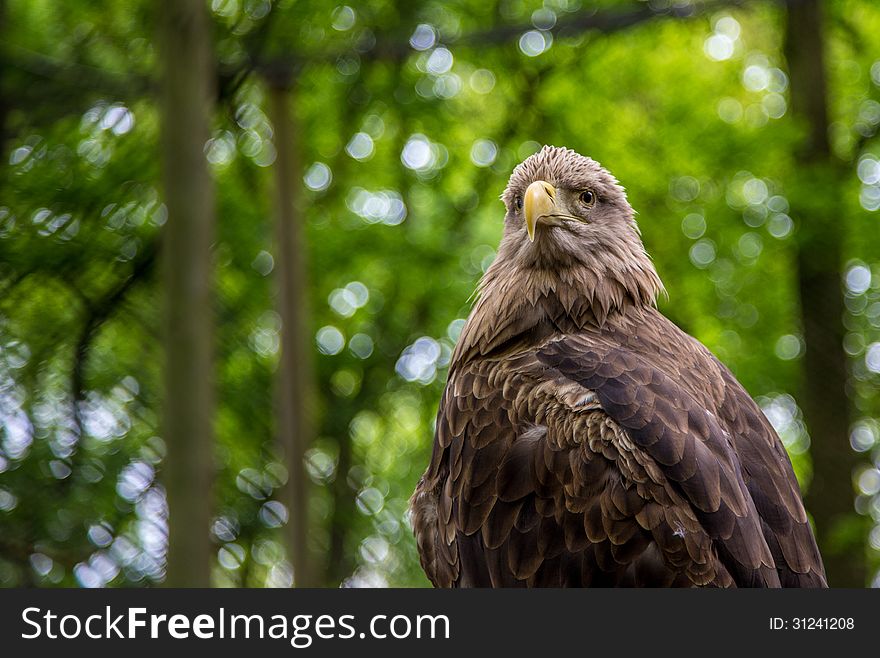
(516, 302)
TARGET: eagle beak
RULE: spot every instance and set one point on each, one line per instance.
(539, 201)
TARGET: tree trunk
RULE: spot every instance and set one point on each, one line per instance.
(187, 100)
(341, 562)
(4, 102)
(293, 390)
(816, 208)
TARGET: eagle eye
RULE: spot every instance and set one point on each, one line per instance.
(587, 198)
(518, 202)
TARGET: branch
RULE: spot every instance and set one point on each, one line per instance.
(79, 77)
(98, 314)
(606, 21)
(19, 552)
(75, 76)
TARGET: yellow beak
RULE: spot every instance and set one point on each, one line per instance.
(539, 201)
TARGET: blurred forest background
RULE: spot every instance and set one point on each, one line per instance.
(238, 239)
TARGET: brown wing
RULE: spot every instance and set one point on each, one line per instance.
(583, 464)
(532, 484)
(773, 487)
(721, 454)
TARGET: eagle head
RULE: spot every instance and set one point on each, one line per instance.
(565, 209)
(569, 236)
(570, 253)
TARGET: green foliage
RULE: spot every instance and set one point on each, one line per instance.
(405, 149)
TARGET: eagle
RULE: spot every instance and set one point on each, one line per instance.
(583, 439)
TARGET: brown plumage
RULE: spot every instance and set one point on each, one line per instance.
(585, 440)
